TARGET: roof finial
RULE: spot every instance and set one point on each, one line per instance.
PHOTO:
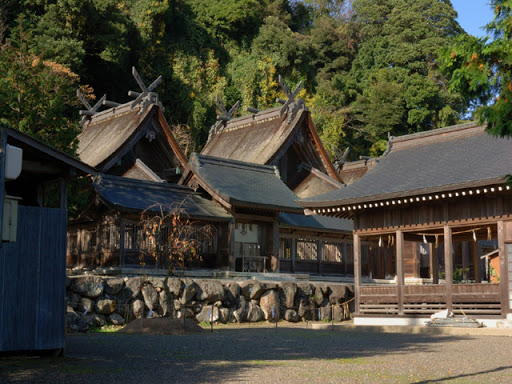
(223, 117)
(340, 159)
(291, 96)
(146, 97)
(90, 111)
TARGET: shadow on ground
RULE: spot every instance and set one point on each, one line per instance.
(263, 355)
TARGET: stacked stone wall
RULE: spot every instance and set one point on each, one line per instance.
(94, 301)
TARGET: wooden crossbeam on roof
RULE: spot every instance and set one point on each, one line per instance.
(223, 117)
(291, 95)
(89, 111)
(147, 96)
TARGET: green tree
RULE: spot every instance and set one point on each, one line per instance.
(38, 96)
(481, 69)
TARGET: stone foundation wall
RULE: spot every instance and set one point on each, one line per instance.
(94, 301)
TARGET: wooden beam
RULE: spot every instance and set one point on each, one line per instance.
(504, 289)
(231, 244)
(294, 252)
(275, 242)
(476, 262)
(448, 266)
(319, 253)
(63, 194)
(122, 245)
(357, 272)
(400, 270)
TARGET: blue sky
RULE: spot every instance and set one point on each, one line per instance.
(473, 15)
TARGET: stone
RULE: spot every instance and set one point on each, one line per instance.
(232, 291)
(339, 294)
(116, 319)
(325, 313)
(130, 291)
(340, 313)
(306, 310)
(254, 313)
(73, 299)
(210, 291)
(189, 291)
(86, 305)
(113, 286)
(240, 314)
(291, 316)
(138, 308)
(150, 296)
(95, 320)
(224, 315)
(163, 301)
(252, 290)
(289, 290)
(318, 296)
(187, 312)
(157, 282)
(71, 316)
(269, 303)
(88, 286)
(177, 305)
(208, 314)
(174, 286)
(306, 289)
(105, 306)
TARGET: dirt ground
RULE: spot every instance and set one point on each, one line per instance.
(264, 354)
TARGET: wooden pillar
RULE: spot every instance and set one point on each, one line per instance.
(275, 248)
(448, 266)
(319, 254)
(476, 262)
(40, 194)
(231, 244)
(122, 245)
(98, 240)
(345, 257)
(503, 269)
(79, 247)
(400, 270)
(294, 252)
(465, 260)
(357, 272)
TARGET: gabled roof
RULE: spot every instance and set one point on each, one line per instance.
(106, 136)
(241, 184)
(310, 181)
(43, 161)
(445, 159)
(263, 138)
(316, 223)
(141, 171)
(138, 195)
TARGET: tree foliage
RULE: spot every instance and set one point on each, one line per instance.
(481, 70)
(370, 67)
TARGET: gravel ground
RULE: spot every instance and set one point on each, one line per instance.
(268, 355)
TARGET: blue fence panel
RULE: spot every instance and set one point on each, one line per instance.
(32, 299)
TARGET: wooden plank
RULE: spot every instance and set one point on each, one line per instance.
(503, 268)
(448, 265)
(400, 270)
(357, 272)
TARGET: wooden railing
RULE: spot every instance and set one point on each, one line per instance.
(474, 299)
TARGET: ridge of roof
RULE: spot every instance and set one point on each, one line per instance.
(435, 135)
(100, 177)
(115, 112)
(251, 119)
(219, 161)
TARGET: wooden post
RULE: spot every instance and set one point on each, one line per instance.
(448, 266)
(503, 269)
(275, 248)
(400, 270)
(476, 262)
(465, 260)
(357, 272)
(122, 245)
(344, 258)
(319, 254)
(294, 252)
(231, 244)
